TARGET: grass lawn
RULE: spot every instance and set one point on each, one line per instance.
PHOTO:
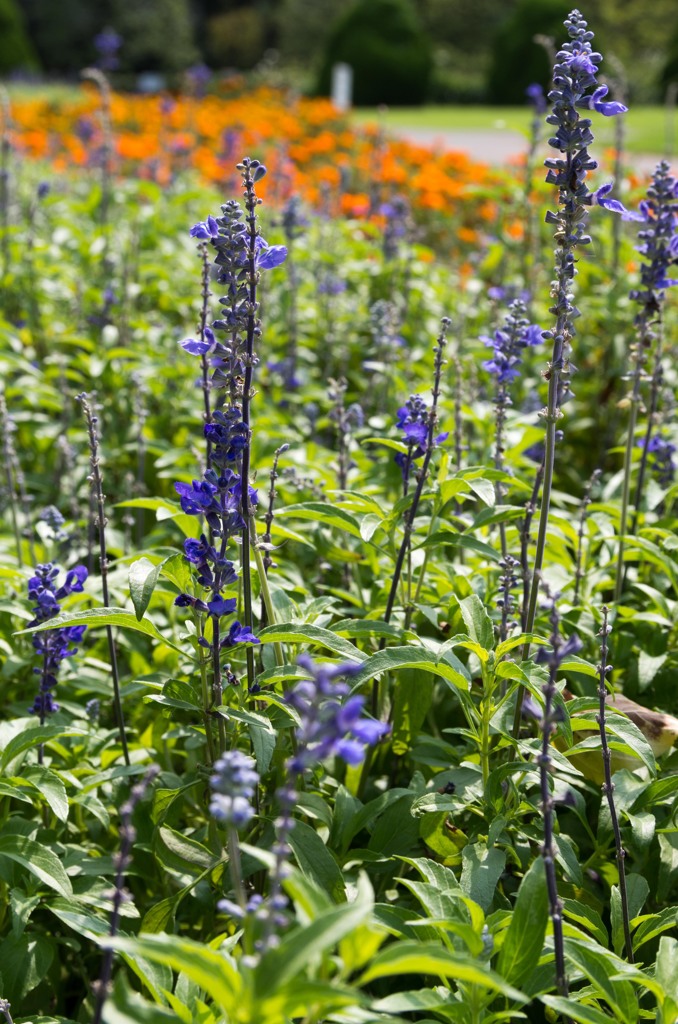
(646, 127)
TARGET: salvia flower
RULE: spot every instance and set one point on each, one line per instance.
(54, 645)
(233, 785)
(107, 43)
(509, 342)
(658, 242)
(535, 95)
(413, 420)
(661, 453)
(331, 721)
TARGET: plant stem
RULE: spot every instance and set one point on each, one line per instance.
(608, 785)
(247, 512)
(97, 493)
(411, 513)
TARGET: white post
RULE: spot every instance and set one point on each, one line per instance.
(342, 86)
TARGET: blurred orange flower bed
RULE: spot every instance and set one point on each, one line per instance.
(307, 145)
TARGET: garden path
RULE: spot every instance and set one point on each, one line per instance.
(500, 146)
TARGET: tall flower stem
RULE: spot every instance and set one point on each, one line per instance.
(608, 785)
(96, 482)
(548, 849)
(6, 425)
(655, 391)
(5, 153)
(248, 169)
(574, 76)
(99, 78)
(411, 513)
(122, 859)
(585, 502)
(202, 327)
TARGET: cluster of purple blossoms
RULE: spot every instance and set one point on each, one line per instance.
(414, 420)
(658, 241)
(661, 452)
(107, 43)
(52, 644)
(575, 88)
(233, 785)
(229, 236)
(330, 724)
(509, 341)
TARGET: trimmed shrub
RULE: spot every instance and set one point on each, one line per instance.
(517, 61)
(388, 50)
(157, 35)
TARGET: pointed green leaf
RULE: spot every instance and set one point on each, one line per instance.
(304, 633)
(37, 859)
(94, 617)
(478, 623)
(143, 577)
(524, 940)
(425, 958)
(393, 659)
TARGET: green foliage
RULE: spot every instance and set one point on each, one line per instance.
(157, 35)
(386, 47)
(236, 39)
(16, 51)
(416, 881)
(517, 60)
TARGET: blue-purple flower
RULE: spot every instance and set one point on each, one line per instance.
(54, 645)
(413, 418)
(233, 785)
(510, 341)
(330, 725)
(660, 452)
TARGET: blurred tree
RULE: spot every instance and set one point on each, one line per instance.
(16, 51)
(63, 33)
(158, 35)
(304, 27)
(517, 61)
(236, 38)
(384, 43)
(466, 25)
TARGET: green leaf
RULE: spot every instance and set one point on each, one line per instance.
(177, 570)
(50, 786)
(478, 623)
(143, 577)
(587, 917)
(95, 617)
(637, 891)
(524, 940)
(394, 659)
(484, 489)
(600, 966)
(213, 972)
(481, 872)
(25, 961)
(316, 862)
(424, 958)
(37, 859)
(666, 974)
(304, 633)
(413, 696)
(323, 512)
(281, 965)
(182, 853)
(583, 1014)
(652, 925)
(32, 737)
